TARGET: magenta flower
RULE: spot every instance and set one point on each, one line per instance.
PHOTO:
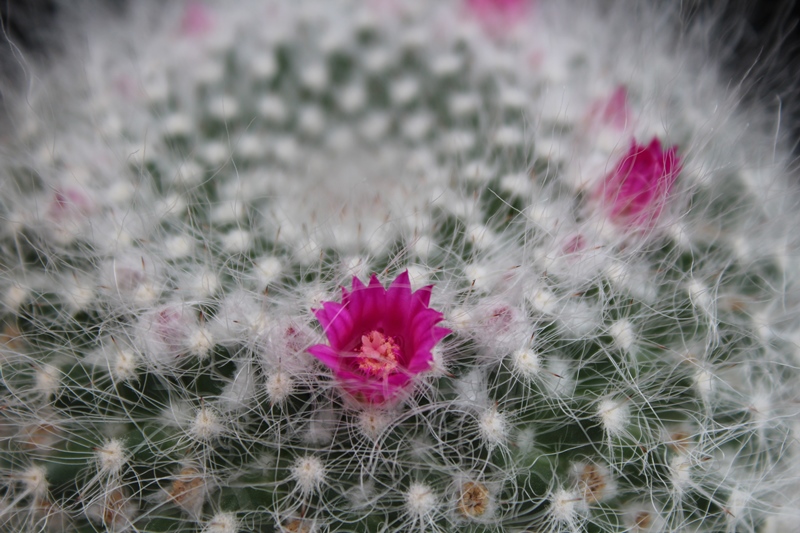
(379, 339)
(497, 16)
(635, 192)
(197, 19)
(493, 7)
(70, 203)
(613, 110)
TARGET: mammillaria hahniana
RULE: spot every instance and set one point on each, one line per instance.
(568, 188)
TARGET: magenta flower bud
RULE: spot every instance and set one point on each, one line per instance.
(612, 111)
(69, 204)
(197, 19)
(635, 192)
(379, 339)
(498, 16)
(489, 7)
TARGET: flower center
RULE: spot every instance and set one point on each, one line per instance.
(377, 355)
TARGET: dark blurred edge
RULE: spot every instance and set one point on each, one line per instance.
(30, 37)
(758, 42)
(26, 38)
(765, 52)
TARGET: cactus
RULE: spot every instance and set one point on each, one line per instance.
(607, 237)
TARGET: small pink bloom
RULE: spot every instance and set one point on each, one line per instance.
(69, 204)
(295, 339)
(635, 192)
(197, 19)
(125, 86)
(498, 15)
(497, 7)
(500, 318)
(169, 327)
(612, 111)
(379, 339)
(165, 333)
(573, 245)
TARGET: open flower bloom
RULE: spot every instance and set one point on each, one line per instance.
(379, 339)
(635, 192)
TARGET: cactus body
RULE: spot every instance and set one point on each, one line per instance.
(613, 248)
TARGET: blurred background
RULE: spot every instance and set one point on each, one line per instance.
(758, 41)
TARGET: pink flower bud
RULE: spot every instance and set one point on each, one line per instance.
(498, 15)
(612, 111)
(197, 19)
(635, 192)
(69, 204)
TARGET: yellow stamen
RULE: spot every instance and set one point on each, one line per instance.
(377, 355)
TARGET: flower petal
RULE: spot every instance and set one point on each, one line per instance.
(423, 295)
(401, 282)
(398, 304)
(337, 323)
(422, 361)
(328, 313)
(327, 356)
(367, 304)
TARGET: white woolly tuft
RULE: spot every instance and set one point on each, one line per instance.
(309, 474)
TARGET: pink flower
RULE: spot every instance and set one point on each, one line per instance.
(69, 204)
(574, 245)
(612, 111)
(498, 15)
(379, 339)
(197, 19)
(635, 192)
(488, 8)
